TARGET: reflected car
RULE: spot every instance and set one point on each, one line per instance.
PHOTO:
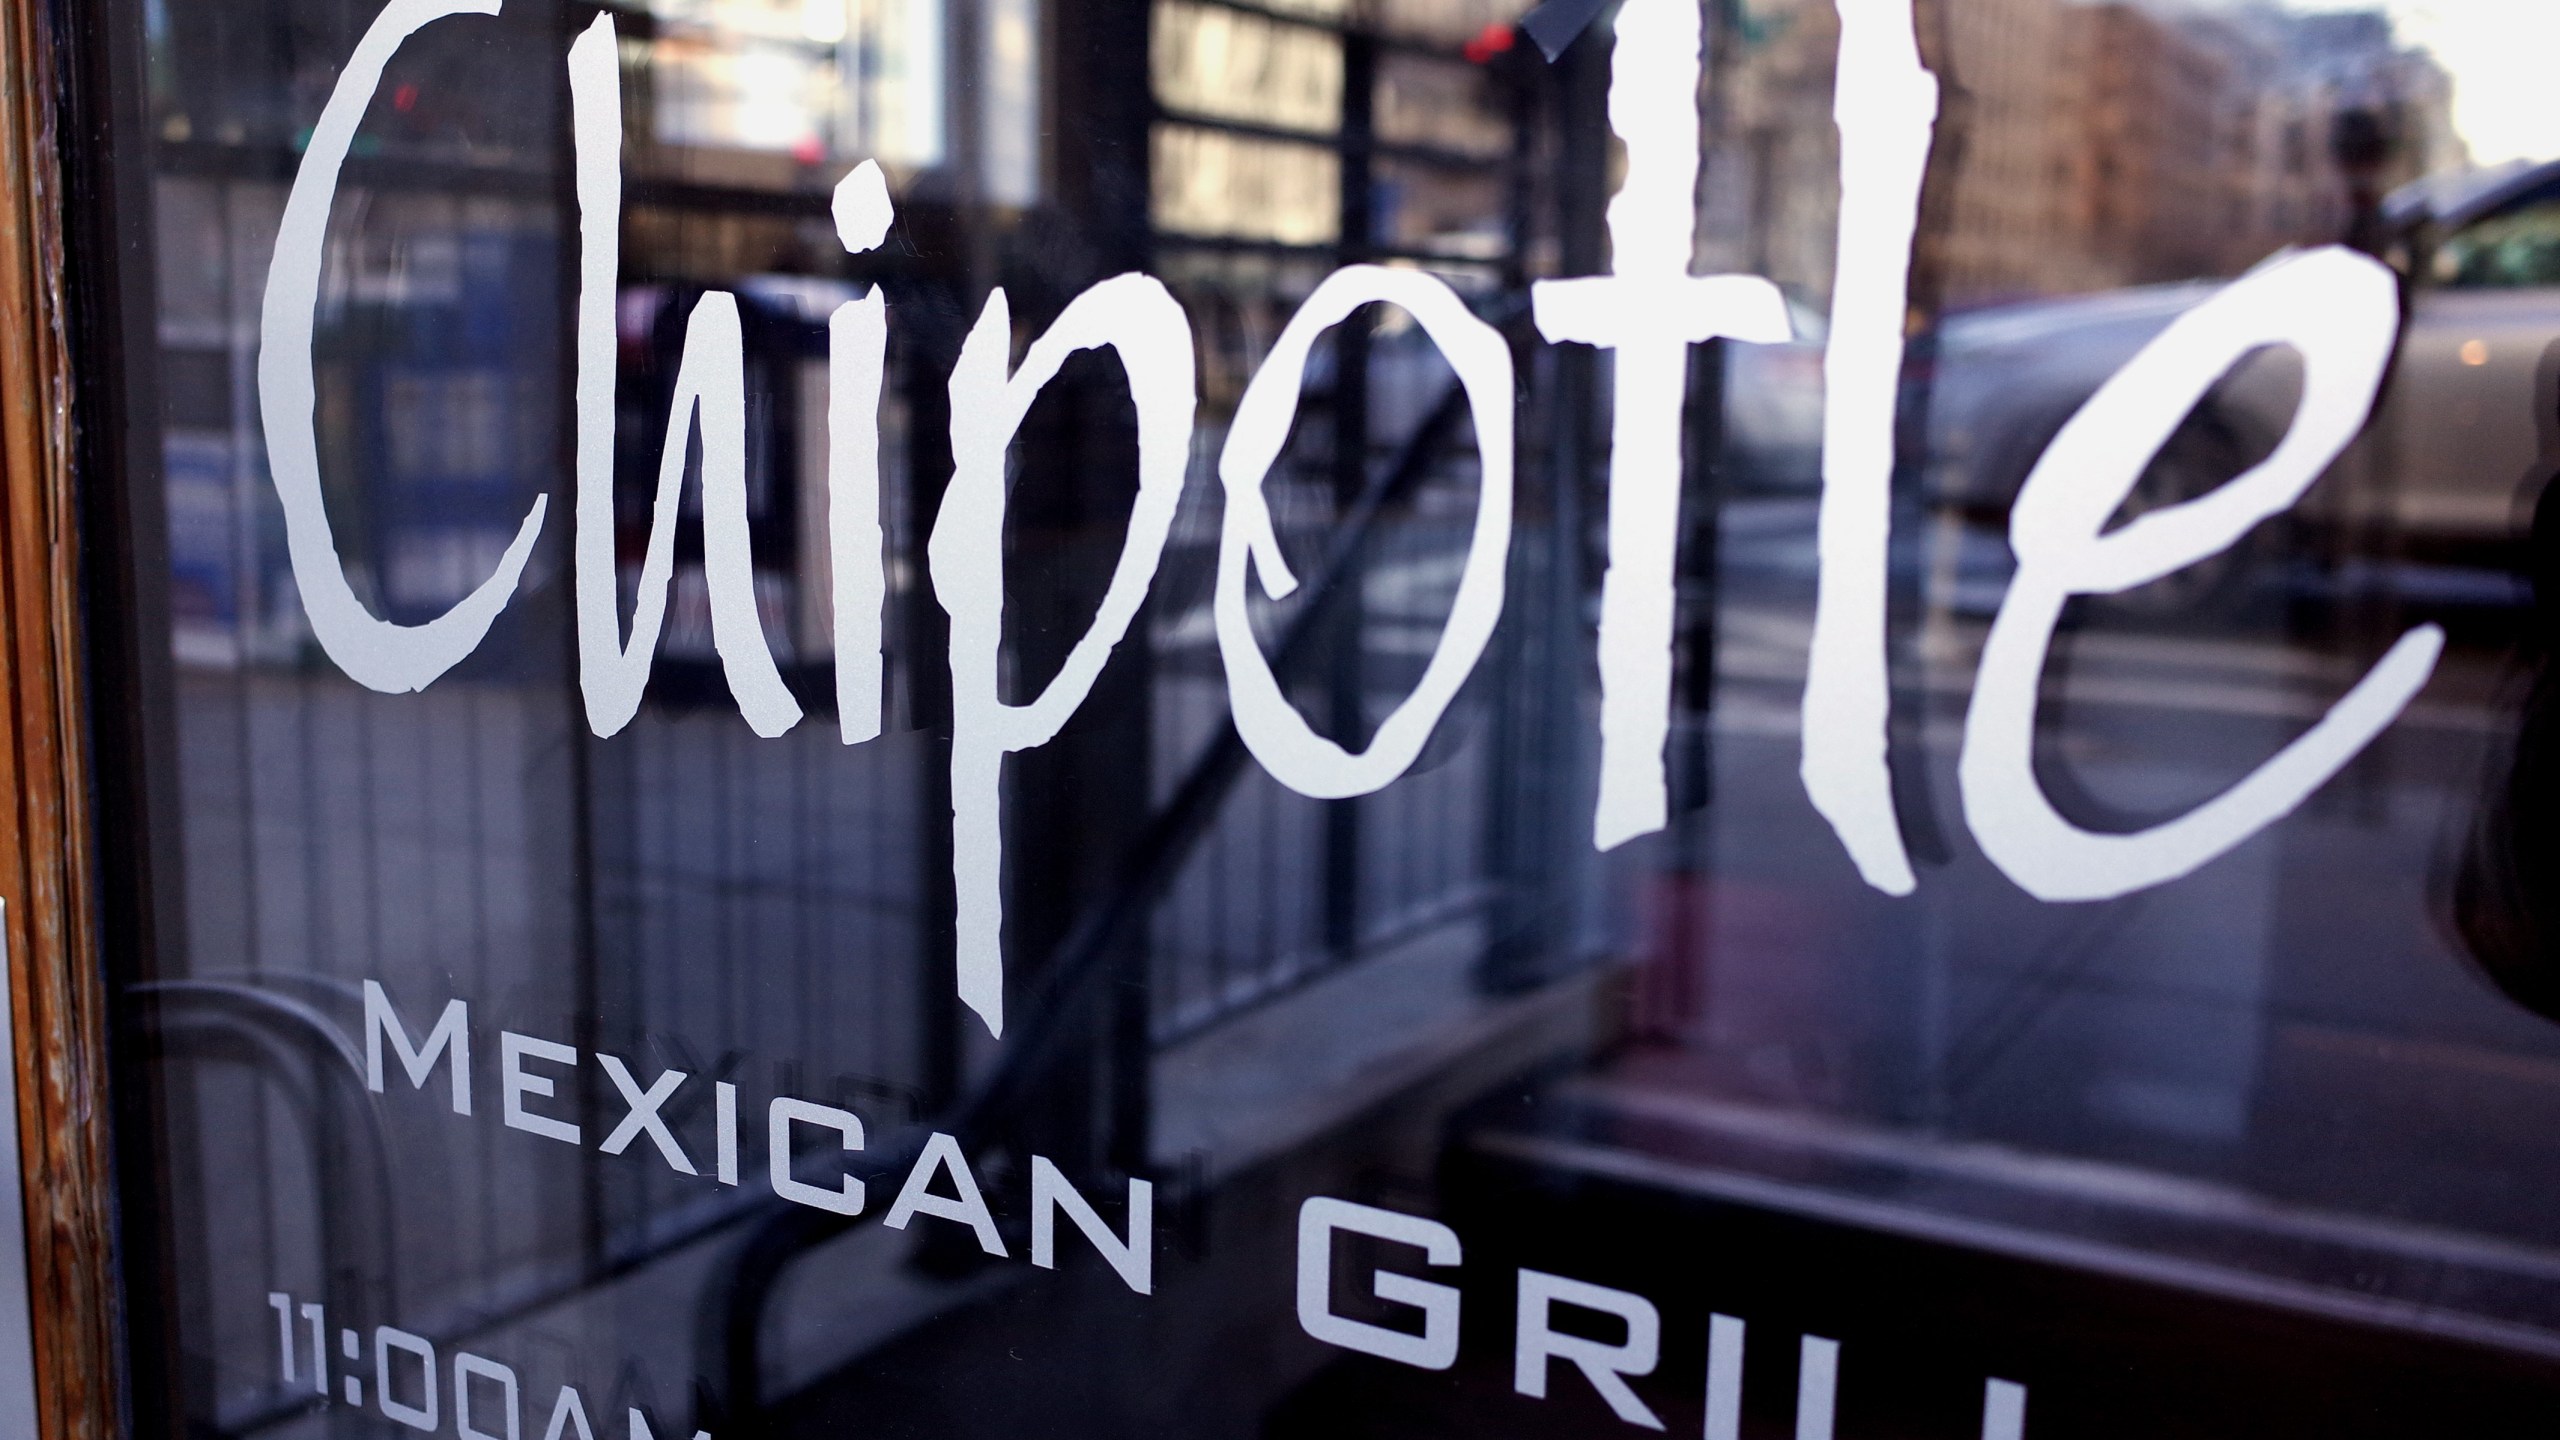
(2461, 439)
(1772, 442)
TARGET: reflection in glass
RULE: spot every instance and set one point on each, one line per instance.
(2273, 1102)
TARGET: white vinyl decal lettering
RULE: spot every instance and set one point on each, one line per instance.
(386, 1341)
(846, 1198)
(711, 380)
(857, 359)
(1139, 320)
(1605, 1364)
(2340, 312)
(1270, 726)
(1649, 310)
(645, 1117)
(1132, 1259)
(468, 1367)
(2335, 307)
(374, 652)
(516, 1082)
(451, 1038)
(1886, 105)
(967, 1206)
(1817, 1387)
(1436, 1347)
(568, 1411)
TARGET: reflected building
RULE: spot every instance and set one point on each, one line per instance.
(2082, 144)
(2193, 143)
(2000, 227)
(1770, 201)
(2147, 137)
(1227, 81)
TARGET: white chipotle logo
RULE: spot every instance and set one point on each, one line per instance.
(2336, 308)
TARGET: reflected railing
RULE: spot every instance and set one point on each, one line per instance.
(1103, 960)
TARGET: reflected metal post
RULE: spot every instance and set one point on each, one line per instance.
(925, 667)
(1346, 716)
(1671, 990)
(1700, 597)
(585, 920)
(1538, 849)
(1074, 464)
(1105, 178)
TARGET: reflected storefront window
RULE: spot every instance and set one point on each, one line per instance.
(1039, 832)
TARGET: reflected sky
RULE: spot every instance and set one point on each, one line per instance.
(2500, 54)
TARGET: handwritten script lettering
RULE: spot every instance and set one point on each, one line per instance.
(2336, 308)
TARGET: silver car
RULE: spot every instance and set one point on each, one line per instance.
(2460, 442)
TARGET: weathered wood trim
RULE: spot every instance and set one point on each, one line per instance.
(46, 873)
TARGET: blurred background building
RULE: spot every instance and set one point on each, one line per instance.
(2084, 144)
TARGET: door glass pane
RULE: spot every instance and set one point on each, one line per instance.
(1194, 718)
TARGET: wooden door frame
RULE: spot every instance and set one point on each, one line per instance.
(48, 875)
